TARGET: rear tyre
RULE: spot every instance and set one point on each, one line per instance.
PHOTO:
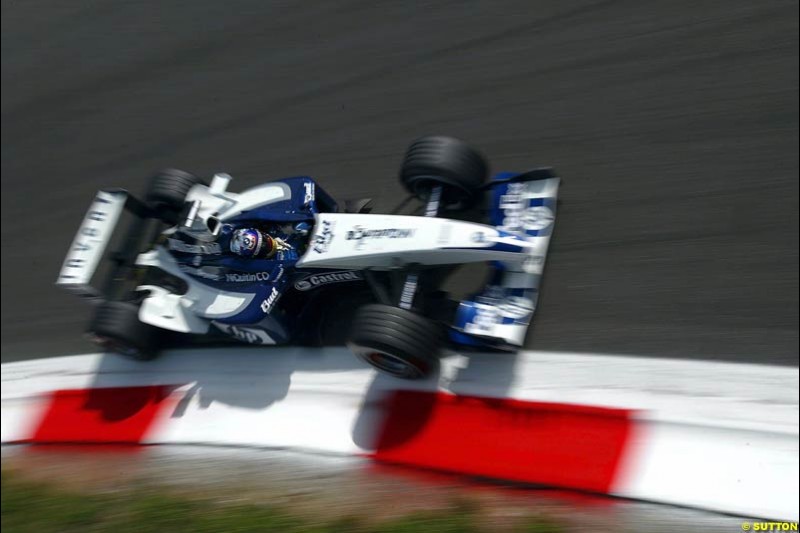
(396, 341)
(166, 194)
(116, 327)
(450, 163)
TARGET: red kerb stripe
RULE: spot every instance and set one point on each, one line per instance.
(543, 443)
(118, 415)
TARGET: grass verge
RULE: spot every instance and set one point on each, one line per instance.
(39, 508)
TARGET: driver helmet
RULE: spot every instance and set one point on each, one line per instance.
(249, 242)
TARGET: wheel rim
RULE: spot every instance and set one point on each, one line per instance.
(391, 364)
(126, 350)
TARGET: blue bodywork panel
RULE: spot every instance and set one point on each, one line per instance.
(215, 265)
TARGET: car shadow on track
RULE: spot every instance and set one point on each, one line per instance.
(257, 378)
(489, 375)
(244, 377)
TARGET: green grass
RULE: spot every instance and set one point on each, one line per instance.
(38, 508)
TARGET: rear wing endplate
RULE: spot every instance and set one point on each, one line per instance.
(91, 241)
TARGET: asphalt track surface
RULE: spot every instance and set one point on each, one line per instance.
(674, 125)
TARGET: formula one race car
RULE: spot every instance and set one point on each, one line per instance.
(282, 262)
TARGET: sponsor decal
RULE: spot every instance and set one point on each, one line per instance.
(73, 263)
(241, 277)
(279, 275)
(246, 334)
(432, 207)
(518, 215)
(409, 289)
(533, 263)
(317, 280)
(178, 245)
(269, 302)
(479, 237)
(516, 307)
(538, 217)
(309, 192)
(323, 238)
(513, 205)
(484, 320)
(93, 234)
(513, 196)
(361, 234)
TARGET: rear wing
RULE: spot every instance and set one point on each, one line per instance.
(93, 237)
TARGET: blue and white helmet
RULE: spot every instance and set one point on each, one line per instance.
(246, 242)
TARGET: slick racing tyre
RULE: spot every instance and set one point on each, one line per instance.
(116, 327)
(167, 192)
(446, 162)
(396, 341)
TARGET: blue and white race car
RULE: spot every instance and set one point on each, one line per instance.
(284, 263)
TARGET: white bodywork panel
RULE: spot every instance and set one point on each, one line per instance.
(257, 197)
(202, 302)
(391, 241)
(215, 200)
(166, 310)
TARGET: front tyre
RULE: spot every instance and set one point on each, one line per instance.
(448, 163)
(396, 341)
(115, 326)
